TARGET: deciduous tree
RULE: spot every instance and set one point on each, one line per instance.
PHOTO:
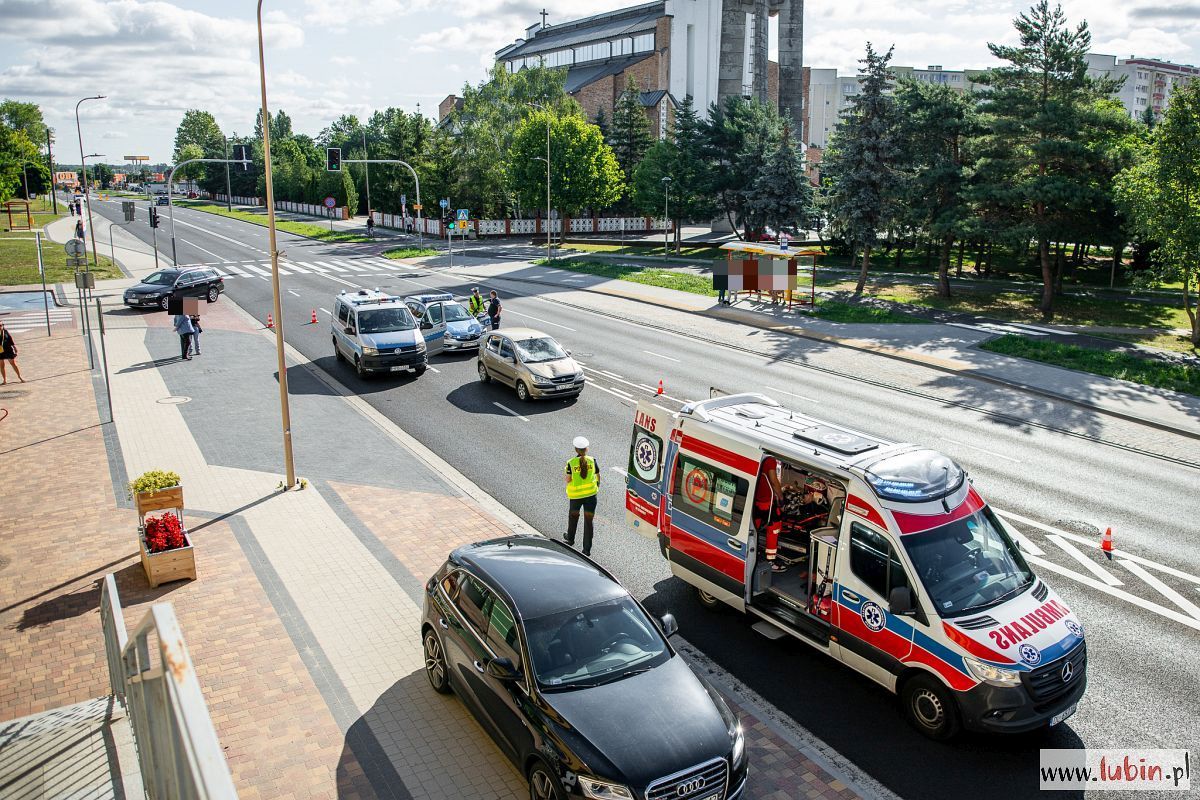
(584, 173)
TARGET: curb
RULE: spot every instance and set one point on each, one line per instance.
(887, 352)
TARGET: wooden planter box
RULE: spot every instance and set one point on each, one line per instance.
(169, 565)
(159, 501)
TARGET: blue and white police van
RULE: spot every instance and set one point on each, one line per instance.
(375, 332)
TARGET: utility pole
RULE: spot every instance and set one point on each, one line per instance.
(50, 156)
(367, 170)
(228, 192)
(666, 182)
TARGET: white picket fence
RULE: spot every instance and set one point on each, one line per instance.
(525, 227)
(311, 209)
(241, 201)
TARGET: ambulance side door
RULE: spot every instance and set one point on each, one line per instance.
(646, 472)
(870, 638)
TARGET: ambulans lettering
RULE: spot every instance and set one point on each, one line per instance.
(1037, 620)
(645, 421)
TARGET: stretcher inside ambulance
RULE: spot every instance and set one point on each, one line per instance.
(878, 553)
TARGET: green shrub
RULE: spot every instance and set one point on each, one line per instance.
(153, 481)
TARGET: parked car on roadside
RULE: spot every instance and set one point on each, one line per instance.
(573, 680)
(155, 290)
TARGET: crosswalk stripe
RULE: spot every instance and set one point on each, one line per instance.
(333, 267)
(298, 267)
(257, 270)
(350, 264)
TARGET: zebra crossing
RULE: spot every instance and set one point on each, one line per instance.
(22, 321)
(336, 268)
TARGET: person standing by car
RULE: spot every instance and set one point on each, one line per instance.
(183, 326)
(475, 304)
(8, 355)
(583, 484)
(196, 331)
(494, 310)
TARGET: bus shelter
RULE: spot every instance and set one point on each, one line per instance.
(785, 275)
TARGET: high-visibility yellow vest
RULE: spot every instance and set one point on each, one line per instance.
(476, 305)
(579, 487)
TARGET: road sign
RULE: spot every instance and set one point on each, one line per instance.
(444, 203)
(462, 214)
(417, 206)
(330, 202)
(85, 280)
(76, 261)
(403, 199)
(137, 158)
(74, 247)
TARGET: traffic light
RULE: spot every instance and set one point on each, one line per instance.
(333, 160)
(241, 153)
(153, 217)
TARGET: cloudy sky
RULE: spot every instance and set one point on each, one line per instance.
(155, 58)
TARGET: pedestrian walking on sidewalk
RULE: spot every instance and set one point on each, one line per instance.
(71, 207)
(494, 310)
(370, 226)
(79, 228)
(196, 331)
(183, 326)
(8, 355)
(582, 479)
(79, 209)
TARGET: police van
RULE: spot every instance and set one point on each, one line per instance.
(376, 332)
(877, 553)
(446, 325)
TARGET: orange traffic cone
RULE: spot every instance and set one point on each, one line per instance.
(270, 322)
(1106, 543)
(314, 317)
(660, 389)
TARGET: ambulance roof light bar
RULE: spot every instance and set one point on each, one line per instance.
(701, 408)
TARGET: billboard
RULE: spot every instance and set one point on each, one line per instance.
(68, 178)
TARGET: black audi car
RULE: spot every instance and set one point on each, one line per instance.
(573, 679)
(155, 289)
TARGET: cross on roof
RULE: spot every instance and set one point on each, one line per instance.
(545, 14)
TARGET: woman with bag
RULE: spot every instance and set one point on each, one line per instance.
(196, 331)
(8, 354)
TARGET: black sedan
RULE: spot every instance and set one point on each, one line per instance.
(572, 678)
(155, 289)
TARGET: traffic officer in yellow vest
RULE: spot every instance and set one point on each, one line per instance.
(475, 304)
(582, 479)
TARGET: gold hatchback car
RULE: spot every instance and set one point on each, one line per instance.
(531, 362)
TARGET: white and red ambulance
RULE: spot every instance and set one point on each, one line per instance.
(888, 560)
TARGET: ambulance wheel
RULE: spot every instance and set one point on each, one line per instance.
(483, 373)
(930, 707)
(522, 392)
(707, 600)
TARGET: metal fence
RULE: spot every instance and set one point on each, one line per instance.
(152, 675)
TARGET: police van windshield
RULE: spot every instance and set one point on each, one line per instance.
(456, 313)
(968, 565)
(533, 351)
(383, 320)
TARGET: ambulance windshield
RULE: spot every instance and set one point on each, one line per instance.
(915, 477)
(968, 565)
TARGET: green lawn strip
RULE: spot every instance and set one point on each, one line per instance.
(1146, 371)
(311, 230)
(648, 251)
(1163, 341)
(410, 252)
(838, 311)
(18, 262)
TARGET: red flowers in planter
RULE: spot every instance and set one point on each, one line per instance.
(164, 532)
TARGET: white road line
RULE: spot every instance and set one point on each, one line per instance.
(539, 319)
(631, 383)
(965, 326)
(345, 262)
(664, 408)
(222, 259)
(1079, 577)
(510, 411)
(220, 236)
(293, 294)
(1008, 329)
(984, 450)
(324, 311)
(1023, 326)
(612, 374)
(614, 394)
(619, 471)
(793, 394)
(660, 355)
(339, 280)
(366, 265)
(257, 270)
(300, 268)
(621, 392)
(432, 368)
(1090, 565)
(1167, 592)
(1024, 542)
(333, 267)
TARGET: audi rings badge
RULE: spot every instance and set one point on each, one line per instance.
(689, 788)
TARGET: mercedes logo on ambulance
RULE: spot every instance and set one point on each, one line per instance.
(1068, 672)
(688, 788)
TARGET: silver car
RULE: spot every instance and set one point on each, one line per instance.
(531, 362)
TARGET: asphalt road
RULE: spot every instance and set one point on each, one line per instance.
(1141, 616)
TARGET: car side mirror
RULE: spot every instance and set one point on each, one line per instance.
(669, 626)
(568, 352)
(350, 329)
(426, 325)
(503, 669)
(900, 601)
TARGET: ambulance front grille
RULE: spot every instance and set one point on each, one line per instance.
(1047, 683)
(977, 623)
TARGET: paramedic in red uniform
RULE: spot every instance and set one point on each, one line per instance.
(767, 495)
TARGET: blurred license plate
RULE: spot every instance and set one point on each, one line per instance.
(1060, 716)
(398, 369)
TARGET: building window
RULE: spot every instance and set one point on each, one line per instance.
(643, 43)
(622, 47)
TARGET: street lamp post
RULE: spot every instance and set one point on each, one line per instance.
(666, 182)
(50, 159)
(228, 191)
(285, 412)
(367, 171)
(83, 168)
(171, 195)
(549, 254)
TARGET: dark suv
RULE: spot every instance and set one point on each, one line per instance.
(573, 679)
(155, 289)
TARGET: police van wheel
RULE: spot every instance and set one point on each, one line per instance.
(930, 708)
(707, 600)
(522, 391)
(360, 369)
(337, 352)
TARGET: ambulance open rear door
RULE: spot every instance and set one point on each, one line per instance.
(645, 473)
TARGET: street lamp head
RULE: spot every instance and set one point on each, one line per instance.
(667, 179)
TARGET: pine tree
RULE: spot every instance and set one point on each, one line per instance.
(782, 197)
(1148, 118)
(602, 123)
(630, 135)
(860, 166)
(692, 187)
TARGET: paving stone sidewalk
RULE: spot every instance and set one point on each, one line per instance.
(303, 623)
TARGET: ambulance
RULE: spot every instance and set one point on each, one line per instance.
(882, 555)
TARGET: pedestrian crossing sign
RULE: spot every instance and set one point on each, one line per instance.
(462, 214)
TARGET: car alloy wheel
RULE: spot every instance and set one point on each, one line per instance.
(522, 391)
(213, 294)
(162, 302)
(542, 785)
(435, 664)
(483, 373)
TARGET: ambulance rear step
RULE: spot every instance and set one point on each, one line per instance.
(768, 630)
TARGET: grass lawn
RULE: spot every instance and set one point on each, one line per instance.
(1149, 372)
(838, 311)
(43, 213)
(309, 229)
(1163, 341)
(410, 252)
(647, 251)
(18, 261)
